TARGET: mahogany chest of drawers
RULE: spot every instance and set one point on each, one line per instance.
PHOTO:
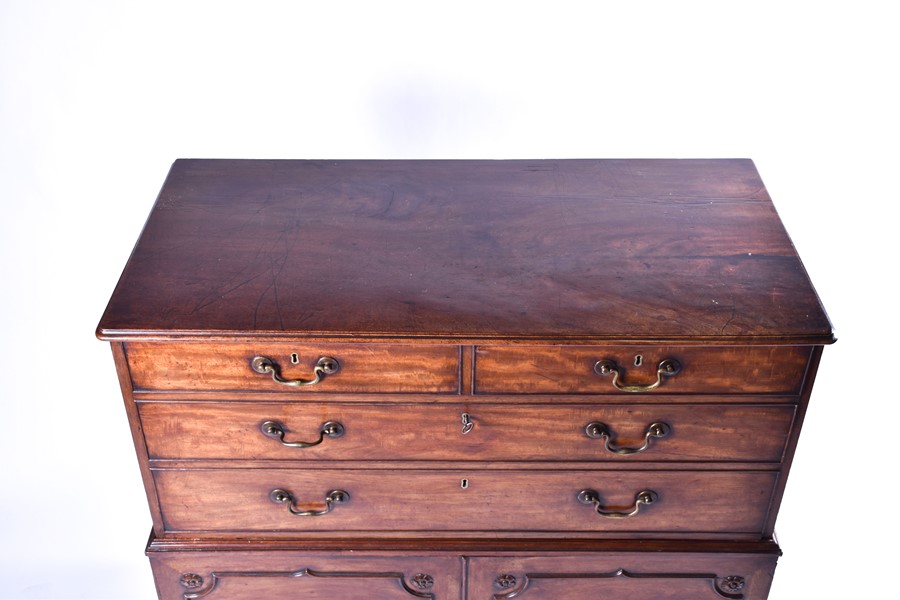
(545, 380)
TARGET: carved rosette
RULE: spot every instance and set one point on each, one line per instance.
(732, 583)
(422, 581)
(505, 581)
(191, 581)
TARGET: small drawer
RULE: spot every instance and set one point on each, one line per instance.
(347, 502)
(295, 574)
(640, 370)
(626, 576)
(294, 368)
(486, 432)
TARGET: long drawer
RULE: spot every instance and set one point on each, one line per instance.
(487, 432)
(639, 370)
(692, 504)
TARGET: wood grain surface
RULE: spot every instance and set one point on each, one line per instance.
(668, 570)
(282, 575)
(466, 303)
(415, 432)
(559, 249)
(704, 370)
(370, 368)
(692, 504)
(623, 577)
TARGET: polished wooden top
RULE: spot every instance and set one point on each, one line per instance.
(550, 250)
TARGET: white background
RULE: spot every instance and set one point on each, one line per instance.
(98, 98)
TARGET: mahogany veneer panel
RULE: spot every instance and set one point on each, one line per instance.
(623, 576)
(589, 249)
(691, 503)
(251, 576)
(708, 370)
(370, 368)
(554, 432)
(615, 569)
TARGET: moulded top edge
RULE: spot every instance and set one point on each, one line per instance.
(112, 335)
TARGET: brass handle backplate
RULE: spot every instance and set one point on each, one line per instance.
(324, 366)
(276, 430)
(279, 496)
(598, 430)
(667, 368)
(647, 497)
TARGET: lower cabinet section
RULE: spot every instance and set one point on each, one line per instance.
(463, 570)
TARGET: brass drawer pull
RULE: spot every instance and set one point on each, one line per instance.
(668, 367)
(643, 497)
(333, 497)
(274, 429)
(325, 366)
(597, 430)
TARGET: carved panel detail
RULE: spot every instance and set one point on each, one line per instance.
(420, 580)
(726, 587)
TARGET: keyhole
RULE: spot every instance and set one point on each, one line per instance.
(638, 360)
(295, 359)
(464, 483)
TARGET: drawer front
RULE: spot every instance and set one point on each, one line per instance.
(564, 432)
(376, 368)
(272, 574)
(693, 369)
(623, 576)
(397, 502)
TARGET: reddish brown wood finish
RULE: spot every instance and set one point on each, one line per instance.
(803, 404)
(692, 504)
(551, 432)
(137, 433)
(640, 250)
(622, 576)
(570, 369)
(654, 570)
(456, 292)
(283, 575)
(370, 368)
